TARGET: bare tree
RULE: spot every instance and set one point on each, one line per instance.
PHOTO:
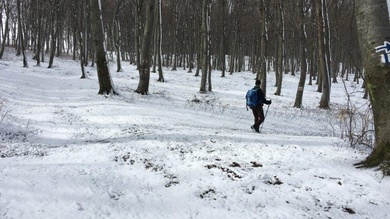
(302, 77)
(81, 30)
(279, 47)
(262, 69)
(322, 64)
(137, 7)
(8, 8)
(159, 41)
(21, 35)
(175, 32)
(117, 34)
(53, 30)
(204, 46)
(102, 65)
(145, 62)
(39, 29)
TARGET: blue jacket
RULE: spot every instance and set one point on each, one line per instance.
(261, 96)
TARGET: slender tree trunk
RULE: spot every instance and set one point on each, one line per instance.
(117, 35)
(144, 70)
(329, 58)
(105, 83)
(80, 24)
(222, 48)
(191, 42)
(20, 32)
(83, 75)
(85, 32)
(302, 77)
(204, 47)
(155, 36)
(39, 38)
(280, 49)
(208, 43)
(175, 12)
(323, 70)
(137, 30)
(374, 28)
(263, 40)
(5, 35)
(159, 40)
(54, 32)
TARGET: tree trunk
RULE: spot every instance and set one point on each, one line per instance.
(280, 49)
(39, 37)
(329, 58)
(373, 29)
(54, 33)
(137, 30)
(83, 75)
(144, 70)
(105, 83)
(20, 33)
(262, 69)
(80, 24)
(155, 36)
(5, 35)
(159, 41)
(208, 43)
(222, 39)
(85, 32)
(322, 66)
(175, 12)
(117, 35)
(302, 77)
(204, 47)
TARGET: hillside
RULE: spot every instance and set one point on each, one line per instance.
(67, 152)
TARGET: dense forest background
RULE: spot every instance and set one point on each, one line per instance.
(63, 27)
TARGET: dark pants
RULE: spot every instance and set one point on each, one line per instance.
(258, 113)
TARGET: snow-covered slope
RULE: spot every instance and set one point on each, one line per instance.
(67, 152)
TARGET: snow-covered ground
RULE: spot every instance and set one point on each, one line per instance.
(66, 152)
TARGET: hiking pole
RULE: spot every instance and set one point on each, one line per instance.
(265, 116)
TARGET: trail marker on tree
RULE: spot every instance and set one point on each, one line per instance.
(386, 48)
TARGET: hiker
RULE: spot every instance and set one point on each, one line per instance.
(257, 106)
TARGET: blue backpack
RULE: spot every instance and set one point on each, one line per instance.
(252, 99)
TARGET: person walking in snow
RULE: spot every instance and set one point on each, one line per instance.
(256, 104)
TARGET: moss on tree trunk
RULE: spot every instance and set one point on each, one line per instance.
(379, 158)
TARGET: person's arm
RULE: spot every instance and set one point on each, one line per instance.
(262, 98)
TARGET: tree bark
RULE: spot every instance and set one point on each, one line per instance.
(279, 49)
(21, 37)
(5, 35)
(117, 35)
(137, 30)
(222, 39)
(39, 30)
(322, 64)
(204, 47)
(144, 69)
(102, 65)
(175, 55)
(54, 32)
(302, 77)
(373, 29)
(159, 41)
(262, 69)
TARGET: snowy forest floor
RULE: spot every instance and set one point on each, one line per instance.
(67, 152)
